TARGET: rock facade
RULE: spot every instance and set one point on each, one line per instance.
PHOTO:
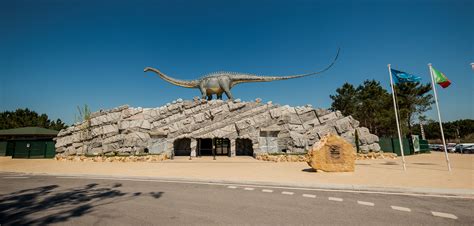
(266, 127)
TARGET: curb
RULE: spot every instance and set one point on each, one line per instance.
(410, 191)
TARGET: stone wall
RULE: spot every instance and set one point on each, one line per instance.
(305, 158)
(105, 158)
(270, 127)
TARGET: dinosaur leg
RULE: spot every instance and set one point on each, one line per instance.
(209, 97)
(226, 87)
(219, 96)
(203, 92)
(228, 94)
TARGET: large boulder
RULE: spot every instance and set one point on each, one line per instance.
(332, 154)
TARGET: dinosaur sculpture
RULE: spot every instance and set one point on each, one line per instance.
(222, 81)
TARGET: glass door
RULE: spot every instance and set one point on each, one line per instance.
(222, 146)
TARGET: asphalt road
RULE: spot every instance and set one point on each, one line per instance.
(29, 199)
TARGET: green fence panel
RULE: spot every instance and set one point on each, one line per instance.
(33, 149)
(37, 149)
(10, 148)
(3, 148)
(424, 146)
(407, 147)
(21, 149)
(50, 149)
(386, 144)
(392, 145)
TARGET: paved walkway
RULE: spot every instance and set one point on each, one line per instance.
(425, 173)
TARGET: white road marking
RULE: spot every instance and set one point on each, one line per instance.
(335, 199)
(261, 186)
(287, 193)
(267, 190)
(232, 187)
(437, 214)
(401, 208)
(365, 203)
(445, 215)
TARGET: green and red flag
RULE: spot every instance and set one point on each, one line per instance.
(441, 78)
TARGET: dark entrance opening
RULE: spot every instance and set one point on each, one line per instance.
(217, 146)
(182, 147)
(205, 147)
(243, 147)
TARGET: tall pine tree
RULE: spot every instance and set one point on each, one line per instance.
(372, 105)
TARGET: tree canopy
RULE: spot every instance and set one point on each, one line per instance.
(345, 99)
(455, 131)
(372, 105)
(26, 117)
(413, 100)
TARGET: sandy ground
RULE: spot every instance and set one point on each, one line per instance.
(423, 171)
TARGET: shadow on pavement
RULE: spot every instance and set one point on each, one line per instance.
(389, 163)
(424, 164)
(50, 204)
(156, 195)
(309, 170)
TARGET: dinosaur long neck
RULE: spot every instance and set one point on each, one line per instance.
(182, 83)
(241, 78)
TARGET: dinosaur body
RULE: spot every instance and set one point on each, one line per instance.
(222, 82)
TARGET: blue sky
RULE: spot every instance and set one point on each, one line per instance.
(56, 55)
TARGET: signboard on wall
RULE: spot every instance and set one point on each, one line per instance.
(416, 142)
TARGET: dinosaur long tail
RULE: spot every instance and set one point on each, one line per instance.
(241, 78)
(182, 83)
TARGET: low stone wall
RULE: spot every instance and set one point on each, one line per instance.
(131, 158)
(281, 158)
(261, 157)
(376, 155)
(304, 158)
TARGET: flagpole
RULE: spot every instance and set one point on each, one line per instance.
(396, 117)
(439, 117)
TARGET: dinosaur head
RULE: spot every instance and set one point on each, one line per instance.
(146, 69)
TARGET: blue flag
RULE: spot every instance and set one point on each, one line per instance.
(401, 77)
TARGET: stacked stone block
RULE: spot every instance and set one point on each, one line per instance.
(127, 130)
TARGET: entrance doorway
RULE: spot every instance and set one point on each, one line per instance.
(222, 146)
(207, 147)
(182, 147)
(204, 147)
(243, 147)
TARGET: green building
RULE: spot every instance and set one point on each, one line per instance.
(27, 142)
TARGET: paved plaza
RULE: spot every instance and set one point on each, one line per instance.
(426, 173)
